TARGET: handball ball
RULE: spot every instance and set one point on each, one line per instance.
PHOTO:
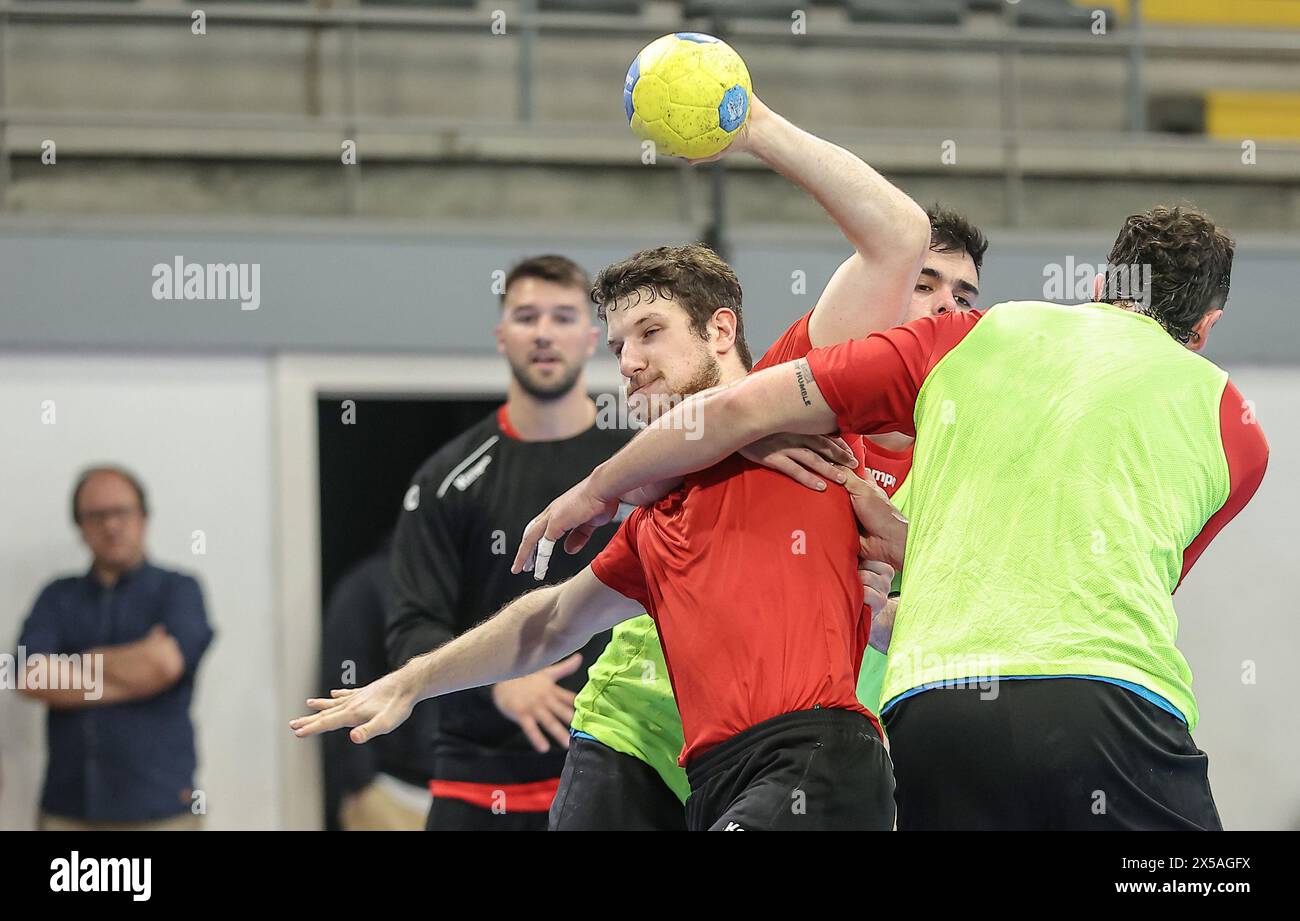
(689, 93)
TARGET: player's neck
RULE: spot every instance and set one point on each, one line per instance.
(730, 370)
(549, 420)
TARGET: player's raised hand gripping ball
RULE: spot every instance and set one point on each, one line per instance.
(689, 93)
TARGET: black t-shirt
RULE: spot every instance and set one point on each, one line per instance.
(456, 537)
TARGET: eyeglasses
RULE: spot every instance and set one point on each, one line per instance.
(102, 516)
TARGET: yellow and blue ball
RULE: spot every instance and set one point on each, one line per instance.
(688, 93)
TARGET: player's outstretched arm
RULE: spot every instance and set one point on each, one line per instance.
(531, 632)
(889, 232)
(783, 398)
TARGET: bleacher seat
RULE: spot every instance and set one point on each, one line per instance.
(627, 7)
(742, 9)
(927, 12)
(444, 4)
(1060, 14)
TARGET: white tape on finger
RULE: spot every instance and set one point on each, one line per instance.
(544, 549)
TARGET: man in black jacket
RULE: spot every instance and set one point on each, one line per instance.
(499, 750)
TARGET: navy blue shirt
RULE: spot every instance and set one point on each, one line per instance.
(126, 762)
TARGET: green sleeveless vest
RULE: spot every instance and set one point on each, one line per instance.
(1065, 456)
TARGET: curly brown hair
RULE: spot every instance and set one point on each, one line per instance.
(694, 276)
(1190, 266)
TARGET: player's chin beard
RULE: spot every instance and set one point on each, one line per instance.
(707, 374)
(546, 392)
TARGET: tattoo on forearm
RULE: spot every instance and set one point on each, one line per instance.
(803, 374)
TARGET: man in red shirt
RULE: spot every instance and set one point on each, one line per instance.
(1102, 740)
(751, 578)
(763, 659)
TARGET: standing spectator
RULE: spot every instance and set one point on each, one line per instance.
(385, 786)
(499, 750)
(121, 753)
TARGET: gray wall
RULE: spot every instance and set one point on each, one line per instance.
(341, 286)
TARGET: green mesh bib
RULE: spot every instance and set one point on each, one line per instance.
(1065, 456)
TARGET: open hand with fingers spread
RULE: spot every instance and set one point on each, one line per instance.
(375, 709)
(537, 702)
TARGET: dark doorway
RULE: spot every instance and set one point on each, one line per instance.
(369, 450)
(366, 466)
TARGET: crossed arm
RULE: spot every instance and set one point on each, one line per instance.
(126, 672)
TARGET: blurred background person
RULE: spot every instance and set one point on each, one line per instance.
(500, 749)
(123, 757)
(384, 786)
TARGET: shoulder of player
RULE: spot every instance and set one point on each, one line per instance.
(1239, 424)
(794, 342)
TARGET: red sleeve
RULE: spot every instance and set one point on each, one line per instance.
(618, 566)
(792, 344)
(1246, 449)
(871, 384)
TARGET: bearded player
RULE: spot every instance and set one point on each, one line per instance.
(763, 660)
(621, 771)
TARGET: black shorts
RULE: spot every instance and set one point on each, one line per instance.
(605, 790)
(1052, 753)
(813, 770)
(450, 814)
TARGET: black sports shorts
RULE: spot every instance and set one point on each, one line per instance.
(1049, 753)
(812, 770)
(605, 790)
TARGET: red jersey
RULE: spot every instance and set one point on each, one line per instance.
(887, 468)
(752, 582)
(872, 384)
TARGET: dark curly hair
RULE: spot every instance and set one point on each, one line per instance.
(1190, 266)
(951, 232)
(694, 276)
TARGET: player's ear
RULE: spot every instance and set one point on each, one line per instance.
(1201, 331)
(498, 333)
(595, 341)
(1098, 286)
(724, 330)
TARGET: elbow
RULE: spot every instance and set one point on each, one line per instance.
(914, 228)
(171, 669)
(163, 672)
